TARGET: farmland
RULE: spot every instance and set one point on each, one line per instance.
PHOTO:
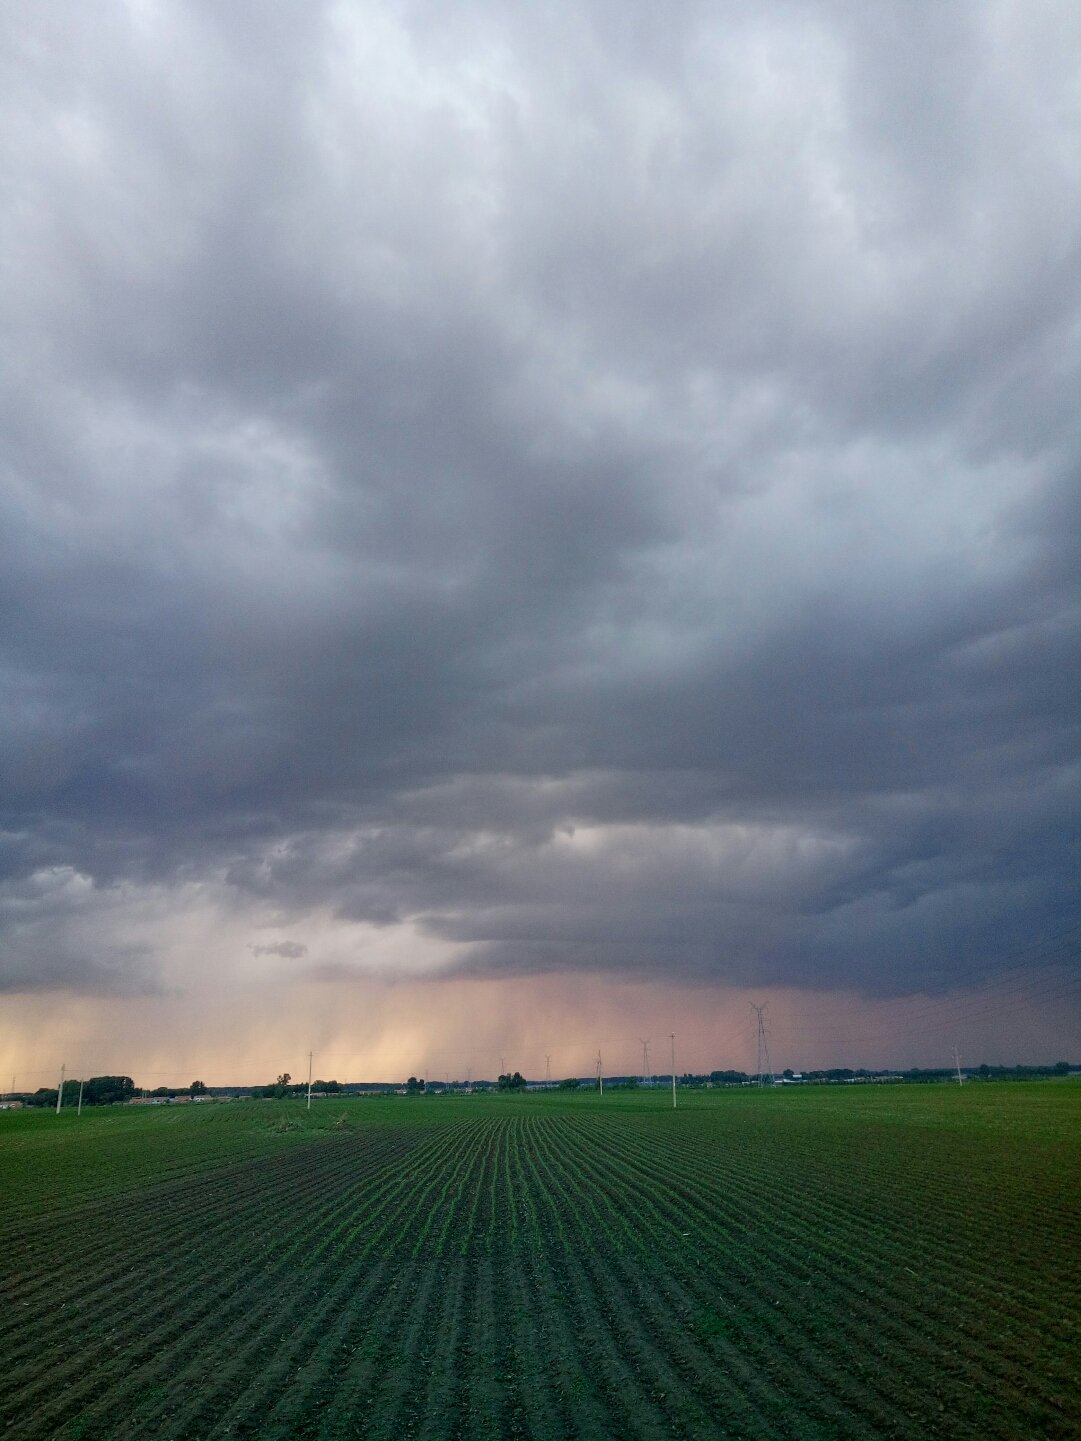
(842, 1263)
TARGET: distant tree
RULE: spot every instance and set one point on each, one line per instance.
(413, 1086)
(46, 1095)
(108, 1090)
(787, 1073)
(570, 1084)
(197, 1088)
(512, 1082)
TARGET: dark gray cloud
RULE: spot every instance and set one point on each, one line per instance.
(597, 486)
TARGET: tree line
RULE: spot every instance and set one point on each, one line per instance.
(97, 1091)
(116, 1090)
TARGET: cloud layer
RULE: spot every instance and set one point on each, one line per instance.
(557, 490)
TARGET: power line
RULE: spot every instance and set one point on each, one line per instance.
(942, 1015)
(1063, 947)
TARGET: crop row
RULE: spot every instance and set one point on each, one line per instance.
(829, 1302)
(543, 1275)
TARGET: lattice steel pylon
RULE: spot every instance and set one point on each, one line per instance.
(647, 1078)
(763, 1047)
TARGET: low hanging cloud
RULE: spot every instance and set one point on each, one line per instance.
(288, 950)
(592, 492)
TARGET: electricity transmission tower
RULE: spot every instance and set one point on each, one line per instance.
(647, 1079)
(547, 1071)
(957, 1063)
(763, 1047)
(600, 1073)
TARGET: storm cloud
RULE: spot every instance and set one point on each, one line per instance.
(592, 488)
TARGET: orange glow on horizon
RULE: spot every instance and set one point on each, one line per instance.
(373, 1031)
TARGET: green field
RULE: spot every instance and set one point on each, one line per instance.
(840, 1262)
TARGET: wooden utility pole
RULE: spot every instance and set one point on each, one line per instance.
(672, 1038)
(60, 1090)
(309, 1080)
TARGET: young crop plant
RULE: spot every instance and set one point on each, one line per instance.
(843, 1264)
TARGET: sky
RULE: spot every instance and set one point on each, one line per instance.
(528, 528)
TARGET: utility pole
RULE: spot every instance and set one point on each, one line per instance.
(502, 1065)
(763, 1046)
(957, 1063)
(547, 1071)
(60, 1090)
(647, 1079)
(80, 1110)
(672, 1038)
(309, 1080)
(600, 1073)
